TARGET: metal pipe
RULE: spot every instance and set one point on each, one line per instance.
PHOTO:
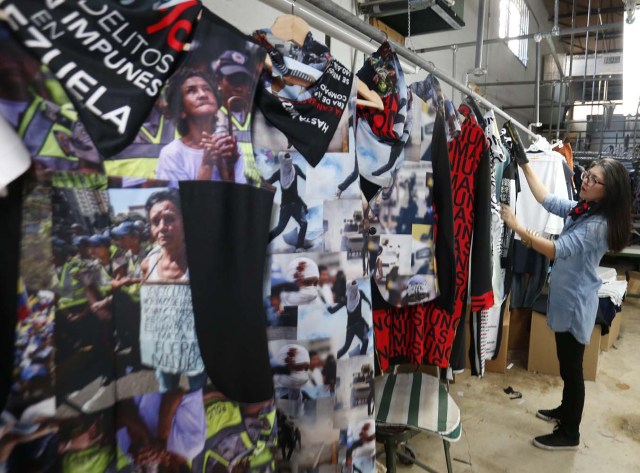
(346, 18)
(536, 91)
(564, 32)
(560, 110)
(373, 3)
(454, 53)
(553, 94)
(554, 53)
(593, 74)
(603, 77)
(556, 29)
(573, 26)
(525, 106)
(586, 51)
(480, 34)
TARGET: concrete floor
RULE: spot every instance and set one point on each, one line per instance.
(497, 431)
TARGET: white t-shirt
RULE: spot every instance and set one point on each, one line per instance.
(179, 162)
(548, 167)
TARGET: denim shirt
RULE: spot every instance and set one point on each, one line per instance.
(574, 283)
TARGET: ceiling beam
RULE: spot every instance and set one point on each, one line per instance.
(593, 12)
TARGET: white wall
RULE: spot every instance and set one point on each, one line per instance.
(501, 64)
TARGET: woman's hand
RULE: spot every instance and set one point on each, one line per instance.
(217, 147)
(508, 216)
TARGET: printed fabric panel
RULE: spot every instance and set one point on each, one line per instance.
(381, 135)
(317, 292)
(112, 56)
(109, 371)
(429, 329)
(402, 217)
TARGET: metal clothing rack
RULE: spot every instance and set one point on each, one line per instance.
(344, 18)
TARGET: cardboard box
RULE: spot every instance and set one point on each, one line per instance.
(519, 334)
(542, 349)
(609, 339)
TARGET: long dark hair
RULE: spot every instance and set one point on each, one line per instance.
(616, 205)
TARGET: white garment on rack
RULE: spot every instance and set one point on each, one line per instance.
(614, 290)
(548, 167)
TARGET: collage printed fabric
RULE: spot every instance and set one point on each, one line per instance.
(318, 297)
(109, 371)
(393, 155)
(188, 207)
(435, 324)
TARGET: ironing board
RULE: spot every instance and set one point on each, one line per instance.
(410, 403)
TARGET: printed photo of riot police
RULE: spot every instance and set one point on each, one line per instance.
(235, 74)
(239, 436)
(86, 264)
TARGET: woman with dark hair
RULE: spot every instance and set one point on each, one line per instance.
(599, 222)
(200, 153)
(167, 263)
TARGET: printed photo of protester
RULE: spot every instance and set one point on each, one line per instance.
(294, 282)
(203, 151)
(360, 446)
(166, 299)
(161, 430)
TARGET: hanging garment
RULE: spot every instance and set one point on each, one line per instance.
(311, 119)
(403, 244)
(103, 354)
(110, 55)
(548, 167)
(486, 325)
(529, 267)
(565, 150)
(381, 135)
(429, 328)
(320, 342)
(425, 333)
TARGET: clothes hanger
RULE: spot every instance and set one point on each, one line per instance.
(291, 27)
(367, 97)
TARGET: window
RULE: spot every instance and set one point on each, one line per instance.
(514, 21)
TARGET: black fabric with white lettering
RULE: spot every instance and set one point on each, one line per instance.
(309, 124)
(227, 305)
(111, 59)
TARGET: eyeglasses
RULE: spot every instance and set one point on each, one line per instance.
(590, 178)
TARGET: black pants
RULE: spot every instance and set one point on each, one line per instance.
(287, 211)
(359, 329)
(570, 355)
